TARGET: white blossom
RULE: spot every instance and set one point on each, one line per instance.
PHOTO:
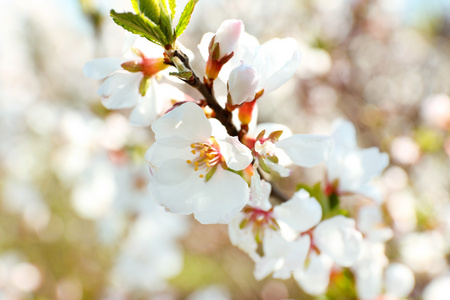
(353, 168)
(189, 164)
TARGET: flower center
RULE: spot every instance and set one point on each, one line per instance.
(265, 149)
(259, 220)
(207, 157)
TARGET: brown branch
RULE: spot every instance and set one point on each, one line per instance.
(222, 114)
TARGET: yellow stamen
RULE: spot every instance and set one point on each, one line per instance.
(193, 151)
(201, 176)
(189, 162)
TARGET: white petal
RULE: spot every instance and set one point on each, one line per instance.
(281, 256)
(204, 44)
(368, 276)
(437, 289)
(357, 168)
(284, 74)
(102, 67)
(276, 62)
(221, 198)
(146, 110)
(260, 192)
(344, 135)
(227, 36)
(244, 238)
(370, 223)
(242, 84)
(157, 154)
(338, 238)
(120, 90)
(281, 170)
(219, 132)
(175, 186)
(237, 156)
(302, 212)
(182, 126)
(315, 278)
(306, 150)
(173, 171)
(399, 280)
(245, 51)
(148, 48)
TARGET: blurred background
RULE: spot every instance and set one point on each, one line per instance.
(75, 220)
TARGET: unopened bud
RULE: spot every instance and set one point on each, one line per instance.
(227, 37)
(242, 85)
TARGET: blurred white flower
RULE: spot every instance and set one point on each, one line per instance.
(339, 238)
(131, 82)
(437, 289)
(351, 168)
(398, 281)
(405, 150)
(435, 110)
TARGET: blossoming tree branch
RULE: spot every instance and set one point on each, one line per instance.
(212, 159)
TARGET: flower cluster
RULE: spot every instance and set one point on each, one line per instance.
(211, 159)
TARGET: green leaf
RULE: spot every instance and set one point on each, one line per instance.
(150, 8)
(135, 4)
(139, 24)
(165, 22)
(182, 75)
(173, 6)
(185, 17)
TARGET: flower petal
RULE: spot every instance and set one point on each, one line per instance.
(283, 74)
(175, 186)
(399, 280)
(276, 62)
(302, 212)
(237, 156)
(314, 279)
(221, 198)
(357, 168)
(280, 169)
(146, 110)
(281, 256)
(182, 126)
(338, 238)
(120, 90)
(260, 192)
(344, 135)
(102, 67)
(244, 238)
(306, 150)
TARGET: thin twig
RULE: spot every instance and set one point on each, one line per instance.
(222, 114)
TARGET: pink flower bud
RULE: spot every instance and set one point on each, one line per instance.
(242, 85)
(228, 36)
